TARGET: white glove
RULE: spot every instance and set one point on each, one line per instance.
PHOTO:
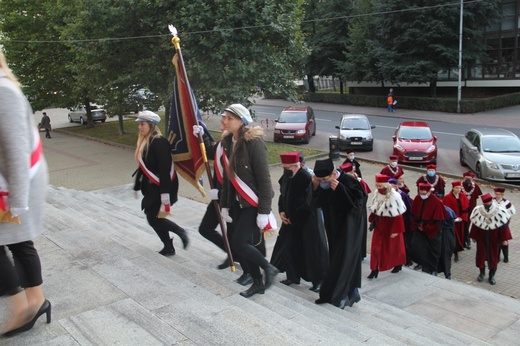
(262, 220)
(214, 194)
(197, 129)
(225, 215)
(165, 198)
(15, 212)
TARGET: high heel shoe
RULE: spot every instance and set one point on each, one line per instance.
(397, 269)
(373, 274)
(44, 309)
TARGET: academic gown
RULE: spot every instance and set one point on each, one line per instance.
(387, 252)
(391, 171)
(460, 207)
(448, 241)
(438, 184)
(367, 190)
(301, 247)
(488, 229)
(426, 244)
(407, 236)
(343, 215)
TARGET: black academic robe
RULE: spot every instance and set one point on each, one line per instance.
(343, 216)
(301, 248)
(448, 241)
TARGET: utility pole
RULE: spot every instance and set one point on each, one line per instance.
(459, 89)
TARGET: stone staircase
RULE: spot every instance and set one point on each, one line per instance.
(108, 285)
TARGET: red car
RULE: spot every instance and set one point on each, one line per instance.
(295, 124)
(414, 142)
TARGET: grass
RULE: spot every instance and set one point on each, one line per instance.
(109, 132)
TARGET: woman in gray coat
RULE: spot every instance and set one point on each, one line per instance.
(23, 185)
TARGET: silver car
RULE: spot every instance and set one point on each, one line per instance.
(79, 114)
(355, 133)
(494, 154)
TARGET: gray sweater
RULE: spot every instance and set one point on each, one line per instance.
(16, 143)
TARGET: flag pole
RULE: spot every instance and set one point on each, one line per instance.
(176, 43)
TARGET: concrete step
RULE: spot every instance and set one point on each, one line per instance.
(108, 285)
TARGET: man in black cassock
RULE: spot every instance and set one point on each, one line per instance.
(301, 248)
(341, 197)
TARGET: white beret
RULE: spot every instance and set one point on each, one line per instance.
(148, 116)
(241, 112)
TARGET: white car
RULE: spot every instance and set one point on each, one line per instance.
(79, 114)
(355, 133)
(494, 154)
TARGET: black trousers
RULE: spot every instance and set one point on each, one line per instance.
(245, 236)
(26, 271)
(163, 227)
(208, 227)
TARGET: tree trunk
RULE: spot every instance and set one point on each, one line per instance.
(341, 86)
(121, 127)
(310, 82)
(90, 123)
(433, 88)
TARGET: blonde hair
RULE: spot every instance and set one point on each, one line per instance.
(144, 141)
(8, 73)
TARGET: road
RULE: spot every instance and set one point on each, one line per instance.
(448, 133)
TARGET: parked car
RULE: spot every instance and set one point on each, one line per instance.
(79, 114)
(295, 124)
(414, 142)
(494, 154)
(355, 133)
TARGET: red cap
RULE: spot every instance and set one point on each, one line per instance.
(394, 157)
(499, 189)
(431, 166)
(425, 186)
(486, 198)
(290, 158)
(456, 183)
(468, 174)
(381, 178)
(346, 167)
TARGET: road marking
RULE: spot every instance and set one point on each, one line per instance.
(323, 119)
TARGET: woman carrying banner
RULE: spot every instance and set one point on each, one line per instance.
(247, 191)
(157, 180)
(23, 188)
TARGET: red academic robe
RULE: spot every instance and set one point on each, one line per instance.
(387, 252)
(391, 171)
(437, 183)
(460, 207)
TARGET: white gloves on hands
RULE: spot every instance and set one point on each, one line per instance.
(225, 215)
(165, 198)
(15, 212)
(262, 220)
(197, 129)
(213, 194)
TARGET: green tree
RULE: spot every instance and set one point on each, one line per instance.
(416, 39)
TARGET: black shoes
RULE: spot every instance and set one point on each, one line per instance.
(468, 244)
(396, 269)
(44, 309)
(373, 274)
(270, 274)
(316, 287)
(491, 279)
(481, 275)
(168, 249)
(417, 267)
(456, 258)
(257, 287)
(320, 301)
(245, 279)
(185, 239)
(288, 282)
(224, 264)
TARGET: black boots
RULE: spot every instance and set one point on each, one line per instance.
(257, 287)
(168, 249)
(482, 273)
(456, 259)
(491, 279)
(245, 279)
(270, 274)
(505, 251)
(396, 269)
(373, 274)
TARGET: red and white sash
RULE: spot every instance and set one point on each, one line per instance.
(249, 195)
(153, 178)
(217, 163)
(36, 155)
